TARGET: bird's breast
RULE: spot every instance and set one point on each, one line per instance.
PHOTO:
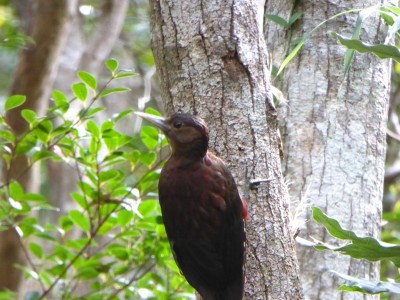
(192, 199)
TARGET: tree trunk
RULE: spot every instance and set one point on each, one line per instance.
(211, 61)
(34, 75)
(334, 134)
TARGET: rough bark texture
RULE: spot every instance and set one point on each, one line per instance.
(34, 75)
(211, 61)
(334, 134)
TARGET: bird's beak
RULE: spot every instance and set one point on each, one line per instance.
(160, 122)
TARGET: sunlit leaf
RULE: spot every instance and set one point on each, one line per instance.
(80, 91)
(60, 100)
(91, 127)
(122, 114)
(147, 207)
(112, 65)
(88, 79)
(112, 91)
(33, 197)
(124, 217)
(124, 74)
(80, 219)
(29, 116)
(14, 101)
(36, 249)
(7, 135)
(149, 136)
(16, 190)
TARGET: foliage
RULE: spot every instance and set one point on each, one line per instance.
(359, 248)
(388, 12)
(11, 37)
(113, 242)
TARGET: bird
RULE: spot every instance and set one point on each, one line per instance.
(202, 210)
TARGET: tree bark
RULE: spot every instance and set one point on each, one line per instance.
(211, 59)
(334, 134)
(33, 78)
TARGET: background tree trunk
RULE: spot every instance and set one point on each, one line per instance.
(334, 133)
(34, 75)
(211, 61)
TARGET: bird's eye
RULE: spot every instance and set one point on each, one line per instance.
(177, 124)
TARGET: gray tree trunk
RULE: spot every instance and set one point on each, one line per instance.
(334, 133)
(211, 60)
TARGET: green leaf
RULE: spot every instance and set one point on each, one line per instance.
(119, 251)
(348, 57)
(87, 113)
(43, 130)
(60, 100)
(7, 135)
(122, 114)
(147, 207)
(124, 74)
(148, 158)
(109, 175)
(292, 54)
(61, 130)
(278, 20)
(306, 37)
(354, 284)
(149, 136)
(112, 65)
(124, 217)
(29, 115)
(36, 249)
(88, 79)
(293, 18)
(107, 226)
(26, 144)
(34, 197)
(87, 189)
(359, 247)
(380, 50)
(45, 154)
(80, 91)
(14, 101)
(112, 91)
(91, 127)
(80, 220)
(87, 273)
(16, 190)
(107, 125)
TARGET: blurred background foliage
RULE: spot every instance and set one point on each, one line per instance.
(94, 229)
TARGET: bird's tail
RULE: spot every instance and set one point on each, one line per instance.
(233, 292)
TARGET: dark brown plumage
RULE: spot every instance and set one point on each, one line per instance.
(202, 210)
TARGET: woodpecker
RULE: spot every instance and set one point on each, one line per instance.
(202, 210)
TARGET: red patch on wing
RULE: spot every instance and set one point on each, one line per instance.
(245, 211)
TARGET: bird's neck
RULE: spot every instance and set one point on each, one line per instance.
(193, 151)
(187, 154)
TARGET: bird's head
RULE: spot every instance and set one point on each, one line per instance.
(187, 135)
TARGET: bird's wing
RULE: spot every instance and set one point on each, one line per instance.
(204, 222)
